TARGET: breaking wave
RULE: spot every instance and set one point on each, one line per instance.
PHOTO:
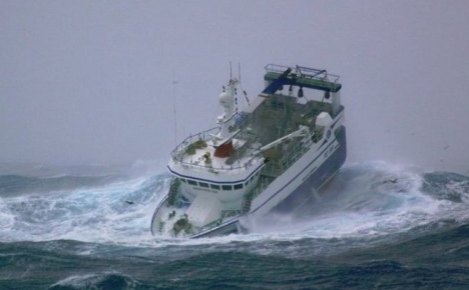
(372, 222)
(365, 202)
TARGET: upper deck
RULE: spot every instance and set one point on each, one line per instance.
(197, 153)
(300, 77)
(276, 114)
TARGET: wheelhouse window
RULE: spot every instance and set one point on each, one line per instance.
(191, 182)
(203, 184)
(227, 187)
(238, 186)
(215, 186)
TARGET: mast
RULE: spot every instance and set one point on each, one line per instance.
(226, 120)
(227, 101)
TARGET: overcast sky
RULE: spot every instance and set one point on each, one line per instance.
(91, 82)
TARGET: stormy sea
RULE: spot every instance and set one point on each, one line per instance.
(377, 226)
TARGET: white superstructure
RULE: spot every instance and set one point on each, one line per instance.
(255, 159)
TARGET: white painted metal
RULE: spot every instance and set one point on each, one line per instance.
(215, 190)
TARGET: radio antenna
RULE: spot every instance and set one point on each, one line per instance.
(175, 83)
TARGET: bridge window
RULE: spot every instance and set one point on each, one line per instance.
(215, 186)
(191, 182)
(203, 184)
(238, 186)
(227, 187)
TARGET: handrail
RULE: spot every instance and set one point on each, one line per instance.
(178, 153)
(199, 136)
(246, 164)
(304, 72)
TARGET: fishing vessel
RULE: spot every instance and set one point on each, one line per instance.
(285, 145)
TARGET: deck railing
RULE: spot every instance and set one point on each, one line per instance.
(304, 77)
(180, 152)
(295, 152)
(305, 72)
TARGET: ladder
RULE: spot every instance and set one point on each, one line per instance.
(173, 190)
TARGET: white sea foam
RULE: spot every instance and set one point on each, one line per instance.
(91, 215)
(368, 201)
(91, 281)
(383, 200)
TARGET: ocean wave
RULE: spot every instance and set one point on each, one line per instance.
(13, 185)
(365, 203)
(114, 281)
(90, 214)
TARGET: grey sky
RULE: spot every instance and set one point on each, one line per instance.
(90, 82)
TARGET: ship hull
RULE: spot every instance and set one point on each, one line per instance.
(273, 156)
(315, 183)
(311, 185)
